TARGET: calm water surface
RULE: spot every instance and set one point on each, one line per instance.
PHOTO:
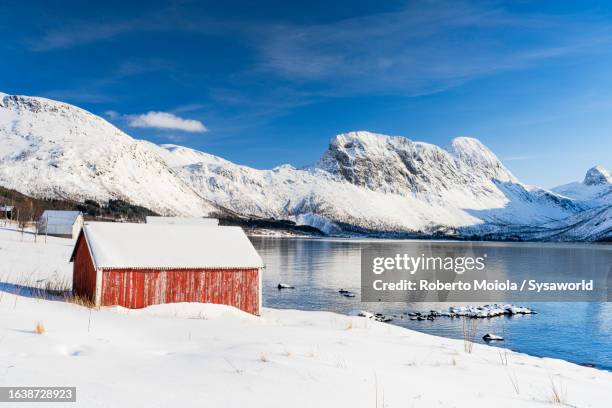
(580, 332)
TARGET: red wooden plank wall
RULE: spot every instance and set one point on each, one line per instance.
(83, 272)
(137, 288)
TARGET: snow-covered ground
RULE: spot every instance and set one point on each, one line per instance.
(194, 355)
(33, 261)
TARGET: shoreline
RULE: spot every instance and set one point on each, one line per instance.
(314, 357)
(499, 345)
(278, 234)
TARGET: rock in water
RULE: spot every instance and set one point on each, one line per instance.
(492, 337)
(366, 314)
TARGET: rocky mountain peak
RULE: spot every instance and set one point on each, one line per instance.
(395, 164)
(597, 176)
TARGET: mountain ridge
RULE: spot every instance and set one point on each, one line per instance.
(363, 182)
(55, 150)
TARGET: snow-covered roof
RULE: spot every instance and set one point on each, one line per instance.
(209, 222)
(144, 246)
(54, 217)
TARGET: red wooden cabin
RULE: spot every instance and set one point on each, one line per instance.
(137, 265)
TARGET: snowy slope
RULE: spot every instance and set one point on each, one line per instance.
(203, 355)
(364, 181)
(52, 149)
(592, 225)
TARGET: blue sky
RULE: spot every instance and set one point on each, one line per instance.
(271, 82)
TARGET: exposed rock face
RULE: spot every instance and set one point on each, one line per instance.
(597, 176)
(400, 166)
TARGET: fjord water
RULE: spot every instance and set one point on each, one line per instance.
(580, 332)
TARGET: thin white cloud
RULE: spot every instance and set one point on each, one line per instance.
(111, 114)
(421, 49)
(166, 19)
(93, 90)
(165, 120)
(80, 34)
(519, 158)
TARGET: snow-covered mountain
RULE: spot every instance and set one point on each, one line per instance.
(364, 182)
(595, 194)
(55, 150)
(594, 190)
(377, 183)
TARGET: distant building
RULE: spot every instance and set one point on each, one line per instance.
(207, 222)
(137, 265)
(6, 212)
(66, 224)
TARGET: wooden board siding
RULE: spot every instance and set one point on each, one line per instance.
(83, 272)
(137, 288)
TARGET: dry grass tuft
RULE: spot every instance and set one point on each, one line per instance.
(558, 395)
(513, 380)
(234, 367)
(80, 300)
(313, 353)
(263, 358)
(40, 328)
(503, 357)
(470, 327)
